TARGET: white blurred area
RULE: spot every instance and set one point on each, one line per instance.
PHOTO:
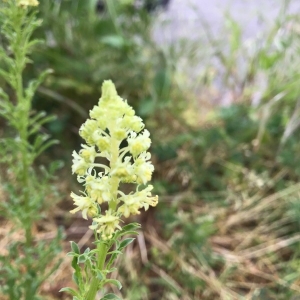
(183, 31)
(185, 18)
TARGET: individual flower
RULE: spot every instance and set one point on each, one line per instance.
(124, 170)
(103, 143)
(140, 199)
(98, 188)
(88, 153)
(119, 133)
(87, 130)
(138, 143)
(130, 207)
(106, 225)
(146, 198)
(143, 168)
(131, 123)
(80, 165)
(85, 204)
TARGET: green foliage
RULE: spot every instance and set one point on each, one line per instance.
(231, 168)
(86, 265)
(20, 258)
(85, 47)
(234, 164)
(27, 189)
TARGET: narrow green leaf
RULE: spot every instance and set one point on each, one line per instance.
(37, 125)
(81, 259)
(77, 276)
(34, 84)
(100, 275)
(36, 117)
(87, 250)
(33, 43)
(75, 247)
(75, 263)
(70, 291)
(110, 297)
(125, 243)
(131, 226)
(112, 259)
(3, 95)
(115, 252)
(46, 146)
(115, 282)
(7, 77)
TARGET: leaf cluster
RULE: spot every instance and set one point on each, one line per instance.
(86, 268)
(25, 268)
(27, 189)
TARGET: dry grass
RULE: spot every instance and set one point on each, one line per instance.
(252, 243)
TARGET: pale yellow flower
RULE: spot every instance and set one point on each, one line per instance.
(138, 143)
(85, 204)
(111, 122)
(124, 170)
(106, 225)
(129, 208)
(143, 168)
(87, 130)
(88, 153)
(98, 188)
(80, 165)
(133, 123)
(140, 199)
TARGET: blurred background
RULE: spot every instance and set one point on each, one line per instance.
(217, 83)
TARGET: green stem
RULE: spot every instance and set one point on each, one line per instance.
(23, 107)
(114, 180)
(102, 247)
(102, 252)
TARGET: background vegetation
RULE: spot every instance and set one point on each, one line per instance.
(227, 225)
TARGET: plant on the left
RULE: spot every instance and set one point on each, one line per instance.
(26, 189)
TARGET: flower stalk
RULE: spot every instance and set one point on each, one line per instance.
(112, 122)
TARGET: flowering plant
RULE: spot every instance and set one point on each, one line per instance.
(112, 123)
(26, 186)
